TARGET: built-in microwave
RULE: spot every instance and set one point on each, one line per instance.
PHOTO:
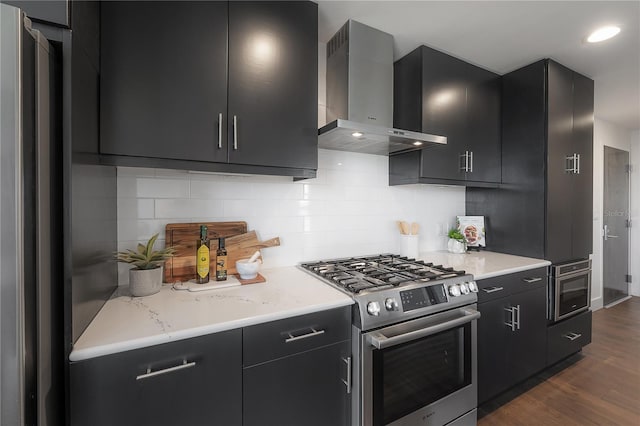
(570, 289)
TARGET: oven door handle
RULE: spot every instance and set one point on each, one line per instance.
(380, 341)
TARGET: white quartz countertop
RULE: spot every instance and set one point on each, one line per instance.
(484, 264)
(127, 322)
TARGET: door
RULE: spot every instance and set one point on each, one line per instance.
(309, 388)
(493, 376)
(615, 225)
(527, 345)
(163, 79)
(273, 84)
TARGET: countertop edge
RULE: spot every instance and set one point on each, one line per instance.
(512, 270)
(144, 342)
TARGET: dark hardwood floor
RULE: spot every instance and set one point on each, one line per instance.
(600, 386)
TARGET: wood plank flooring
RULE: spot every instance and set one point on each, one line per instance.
(600, 386)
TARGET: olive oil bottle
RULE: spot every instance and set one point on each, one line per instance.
(202, 257)
(221, 261)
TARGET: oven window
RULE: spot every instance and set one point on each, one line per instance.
(412, 375)
(574, 292)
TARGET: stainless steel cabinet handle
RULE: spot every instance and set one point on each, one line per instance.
(532, 280)
(347, 381)
(235, 132)
(518, 317)
(463, 162)
(573, 160)
(492, 289)
(470, 162)
(572, 336)
(182, 366)
(313, 333)
(512, 323)
(220, 131)
(578, 163)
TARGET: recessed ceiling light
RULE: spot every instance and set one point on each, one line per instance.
(417, 143)
(356, 134)
(602, 34)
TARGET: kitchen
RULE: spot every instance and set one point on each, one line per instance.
(348, 209)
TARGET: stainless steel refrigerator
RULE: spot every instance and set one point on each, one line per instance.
(31, 322)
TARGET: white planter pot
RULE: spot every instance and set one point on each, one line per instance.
(144, 282)
(455, 246)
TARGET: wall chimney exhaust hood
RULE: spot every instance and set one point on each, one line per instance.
(360, 96)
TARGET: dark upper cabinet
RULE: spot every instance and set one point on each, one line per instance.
(210, 85)
(437, 93)
(49, 11)
(547, 171)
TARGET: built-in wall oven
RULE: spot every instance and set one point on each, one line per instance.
(413, 340)
(569, 289)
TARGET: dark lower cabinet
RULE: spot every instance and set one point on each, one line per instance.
(568, 337)
(512, 331)
(191, 382)
(296, 371)
(49, 11)
(302, 389)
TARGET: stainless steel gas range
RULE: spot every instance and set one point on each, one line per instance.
(414, 339)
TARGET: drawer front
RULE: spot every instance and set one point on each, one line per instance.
(492, 288)
(289, 336)
(568, 337)
(129, 388)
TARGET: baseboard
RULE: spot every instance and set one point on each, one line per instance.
(596, 304)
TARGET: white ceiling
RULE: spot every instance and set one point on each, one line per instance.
(504, 35)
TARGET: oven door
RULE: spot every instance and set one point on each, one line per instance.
(572, 294)
(421, 372)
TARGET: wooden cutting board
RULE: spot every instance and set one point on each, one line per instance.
(184, 236)
(243, 246)
(239, 243)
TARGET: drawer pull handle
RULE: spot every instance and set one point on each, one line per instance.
(150, 373)
(347, 381)
(572, 336)
(313, 333)
(492, 289)
(532, 280)
(220, 131)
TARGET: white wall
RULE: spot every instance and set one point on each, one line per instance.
(635, 212)
(604, 133)
(349, 209)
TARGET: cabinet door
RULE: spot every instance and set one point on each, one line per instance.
(528, 344)
(273, 83)
(303, 389)
(483, 125)
(163, 79)
(115, 389)
(492, 349)
(582, 199)
(55, 11)
(444, 97)
(559, 147)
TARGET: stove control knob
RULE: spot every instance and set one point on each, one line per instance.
(391, 304)
(454, 290)
(464, 288)
(473, 286)
(373, 308)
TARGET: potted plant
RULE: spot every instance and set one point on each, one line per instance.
(145, 278)
(457, 243)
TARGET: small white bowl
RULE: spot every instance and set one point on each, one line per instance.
(247, 270)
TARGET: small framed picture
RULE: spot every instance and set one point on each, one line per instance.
(472, 227)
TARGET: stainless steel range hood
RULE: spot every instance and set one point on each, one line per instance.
(360, 96)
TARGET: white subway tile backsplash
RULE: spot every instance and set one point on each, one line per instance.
(347, 210)
(187, 208)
